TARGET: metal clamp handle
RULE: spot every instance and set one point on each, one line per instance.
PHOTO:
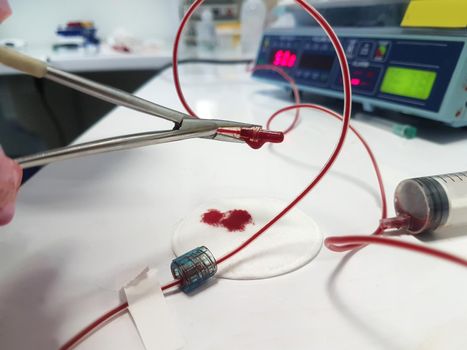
(23, 63)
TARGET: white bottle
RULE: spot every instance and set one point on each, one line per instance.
(206, 31)
(252, 18)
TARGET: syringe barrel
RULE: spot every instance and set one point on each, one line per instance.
(433, 203)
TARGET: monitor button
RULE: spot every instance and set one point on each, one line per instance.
(365, 49)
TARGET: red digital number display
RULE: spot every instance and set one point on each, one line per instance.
(284, 58)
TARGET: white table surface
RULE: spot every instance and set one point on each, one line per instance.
(82, 225)
(106, 59)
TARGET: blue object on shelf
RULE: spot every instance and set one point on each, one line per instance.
(194, 268)
(86, 30)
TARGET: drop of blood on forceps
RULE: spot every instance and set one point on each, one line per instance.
(232, 220)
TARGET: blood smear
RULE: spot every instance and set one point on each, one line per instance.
(232, 220)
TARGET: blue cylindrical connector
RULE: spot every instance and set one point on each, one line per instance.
(194, 268)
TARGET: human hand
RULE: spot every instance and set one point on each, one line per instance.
(5, 10)
(10, 180)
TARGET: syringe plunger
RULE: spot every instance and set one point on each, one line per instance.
(432, 203)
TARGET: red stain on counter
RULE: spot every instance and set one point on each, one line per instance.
(232, 220)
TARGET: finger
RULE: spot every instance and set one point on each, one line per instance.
(6, 213)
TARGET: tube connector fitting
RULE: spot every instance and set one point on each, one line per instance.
(194, 268)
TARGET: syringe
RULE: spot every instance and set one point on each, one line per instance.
(429, 204)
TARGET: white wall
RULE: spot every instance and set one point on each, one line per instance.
(37, 20)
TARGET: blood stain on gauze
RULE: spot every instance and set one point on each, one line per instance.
(233, 220)
(291, 243)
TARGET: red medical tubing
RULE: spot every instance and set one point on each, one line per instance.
(254, 137)
(333, 243)
(178, 36)
(346, 119)
(346, 116)
(346, 243)
(363, 240)
(293, 86)
(268, 136)
(102, 320)
(384, 208)
(342, 246)
(176, 77)
(345, 125)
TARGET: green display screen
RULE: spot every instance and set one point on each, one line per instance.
(408, 82)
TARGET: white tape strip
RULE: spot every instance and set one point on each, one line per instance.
(147, 306)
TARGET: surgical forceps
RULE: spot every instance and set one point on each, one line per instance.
(186, 127)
